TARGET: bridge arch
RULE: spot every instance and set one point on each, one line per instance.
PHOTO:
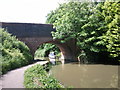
(34, 35)
(34, 43)
(64, 49)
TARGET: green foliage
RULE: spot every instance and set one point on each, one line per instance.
(96, 27)
(68, 19)
(37, 77)
(14, 53)
(82, 57)
(111, 12)
(44, 50)
(103, 29)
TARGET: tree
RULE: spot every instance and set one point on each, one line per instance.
(68, 19)
(94, 26)
(111, 12)
(104, 29)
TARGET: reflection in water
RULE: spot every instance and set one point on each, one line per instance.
(86, 76)
(62, 61)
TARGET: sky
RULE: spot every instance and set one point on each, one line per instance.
(26, 11)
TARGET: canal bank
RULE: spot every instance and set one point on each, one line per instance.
(15, 78)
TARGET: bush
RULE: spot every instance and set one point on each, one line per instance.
(14, 53)
(37, 77)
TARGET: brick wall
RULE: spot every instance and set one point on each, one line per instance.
(33, 35)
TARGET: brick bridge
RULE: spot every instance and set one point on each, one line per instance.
(33, 35)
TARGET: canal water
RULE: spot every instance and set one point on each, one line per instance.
(86, 76)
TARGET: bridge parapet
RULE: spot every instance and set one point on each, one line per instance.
(28, 29)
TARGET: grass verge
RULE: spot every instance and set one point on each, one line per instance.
(37, 77)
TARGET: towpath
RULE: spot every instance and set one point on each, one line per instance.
(15, 78)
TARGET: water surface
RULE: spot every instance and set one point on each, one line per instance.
(86, 76)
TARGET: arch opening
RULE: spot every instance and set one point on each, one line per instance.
(44, 50)
(67, 49)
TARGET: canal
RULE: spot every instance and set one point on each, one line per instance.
(86, 76)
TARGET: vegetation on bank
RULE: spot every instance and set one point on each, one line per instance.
(94, 26)
(45, 49)
(13, 53)
(37, 77)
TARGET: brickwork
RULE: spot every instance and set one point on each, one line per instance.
(33, 35)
